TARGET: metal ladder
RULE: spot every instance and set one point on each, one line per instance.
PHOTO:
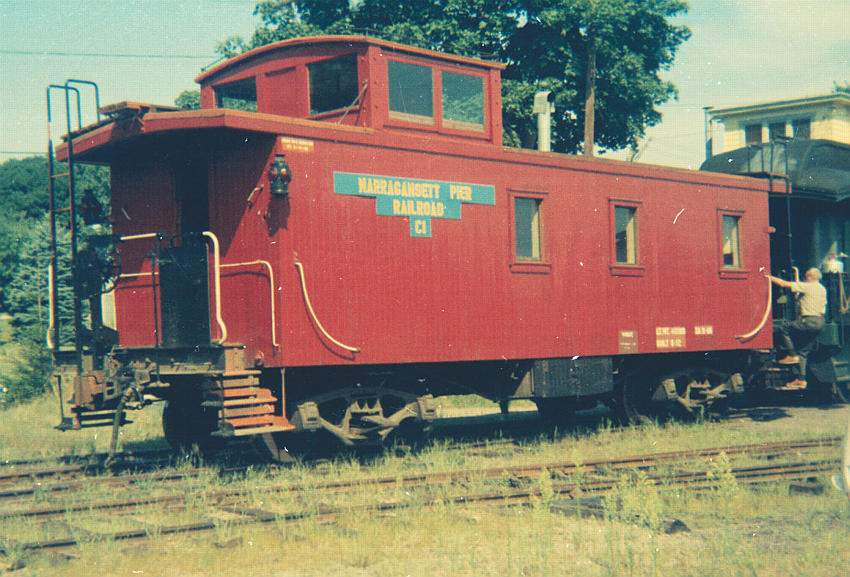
(54, 332)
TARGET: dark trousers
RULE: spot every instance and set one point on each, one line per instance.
(804, 334)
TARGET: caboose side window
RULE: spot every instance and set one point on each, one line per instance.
(527, 228)
(625, 234)
(463, 101)
(411, 90)
(731, 241)
(333, 83)
(239, 95)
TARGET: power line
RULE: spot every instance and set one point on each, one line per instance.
(105, 55)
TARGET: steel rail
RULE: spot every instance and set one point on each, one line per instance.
(526, 471)
(693, 479)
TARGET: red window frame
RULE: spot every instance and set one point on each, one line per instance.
(437, 69)
(620, 268)
(726, 272)
(523, 265)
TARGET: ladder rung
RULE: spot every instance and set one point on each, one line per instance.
(60, 175)
(59, 210)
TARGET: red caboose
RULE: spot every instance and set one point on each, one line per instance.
(338, 234)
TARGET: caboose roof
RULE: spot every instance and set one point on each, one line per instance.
(284, 45)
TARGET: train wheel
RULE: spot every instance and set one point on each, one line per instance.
(188, 426)
(632, 403)
(557, 411)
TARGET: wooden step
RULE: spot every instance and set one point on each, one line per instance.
(248, 411)
(239, 402)
(263, 430)
(272, 424)
(247, 392)
(259, 420)
(239, 374)
(237, 383)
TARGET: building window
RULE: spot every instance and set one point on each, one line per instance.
(411, 92)
(463, 101)
(333, 83)
(527, 228)
(731, 241)
(776, 130)
(625, 234)
(753, 133)
(239, 95)
(802, 128)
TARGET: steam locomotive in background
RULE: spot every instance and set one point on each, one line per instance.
(338, 235)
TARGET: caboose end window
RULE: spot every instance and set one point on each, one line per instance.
(411, 92)
(239, 95)
(731, 241)
(333, 83)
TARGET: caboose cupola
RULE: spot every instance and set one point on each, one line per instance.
(363, 81)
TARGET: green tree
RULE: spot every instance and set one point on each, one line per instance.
(27, 299)
(24, 197)
(842, 88)
(27, 295)
(188, 100)
(545, 44)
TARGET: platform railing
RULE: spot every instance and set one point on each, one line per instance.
(217, 292)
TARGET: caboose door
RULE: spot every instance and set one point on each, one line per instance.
(184, 266)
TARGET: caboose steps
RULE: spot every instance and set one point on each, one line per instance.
(239, 402)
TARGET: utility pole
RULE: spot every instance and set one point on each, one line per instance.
(590, 96)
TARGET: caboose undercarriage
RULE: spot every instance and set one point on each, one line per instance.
(213, 395)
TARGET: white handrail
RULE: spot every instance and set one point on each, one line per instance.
(268, 266)
(139, 236)
(52, 321)
(136, 274)
(217, 277)
(763, 321)
(300, 268)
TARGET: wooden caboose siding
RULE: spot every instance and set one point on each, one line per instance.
(454, 296)
(142, 202)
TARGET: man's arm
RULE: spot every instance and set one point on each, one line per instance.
(779, 282)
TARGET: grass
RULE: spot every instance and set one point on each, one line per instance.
(27, 431)
(735, 530)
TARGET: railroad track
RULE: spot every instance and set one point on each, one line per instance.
(568, 481)
(562, 468)
(71, 475)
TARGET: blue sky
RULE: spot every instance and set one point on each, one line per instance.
(741, 51)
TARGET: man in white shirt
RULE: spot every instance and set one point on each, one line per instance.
(808, 325)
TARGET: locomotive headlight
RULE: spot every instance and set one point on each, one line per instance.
(279, 176)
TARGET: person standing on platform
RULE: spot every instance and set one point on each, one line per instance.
(799, 336)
